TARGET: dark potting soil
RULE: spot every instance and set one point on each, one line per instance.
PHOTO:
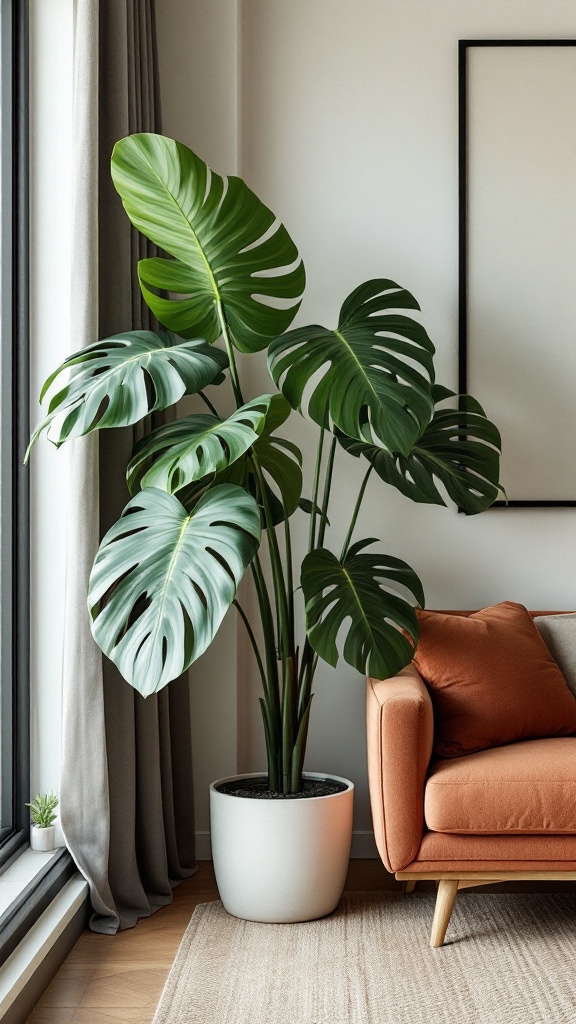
(257, 789)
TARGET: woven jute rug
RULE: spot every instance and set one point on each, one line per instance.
(509, 959)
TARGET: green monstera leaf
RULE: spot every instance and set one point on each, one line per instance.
(355, 594)
(231, 256)
(191, 448)
(164, 578)
(119, 381)
(371, 378)
(460, 449)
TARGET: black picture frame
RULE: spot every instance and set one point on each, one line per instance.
(464, 46)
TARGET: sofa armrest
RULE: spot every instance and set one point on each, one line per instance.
(400, 726)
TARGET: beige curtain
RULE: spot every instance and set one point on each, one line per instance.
(126, 791)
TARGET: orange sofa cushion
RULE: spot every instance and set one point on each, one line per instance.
(492, 680)
(526, 788)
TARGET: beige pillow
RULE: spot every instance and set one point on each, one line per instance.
(559, 635)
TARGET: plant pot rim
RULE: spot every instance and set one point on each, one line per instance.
(43, 828)
(259, 775)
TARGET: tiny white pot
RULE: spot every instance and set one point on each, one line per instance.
(280, 860)
(42, 839)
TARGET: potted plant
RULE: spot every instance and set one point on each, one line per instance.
(43, 817)
(210, 490)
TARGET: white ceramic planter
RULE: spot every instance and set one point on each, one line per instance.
(42, 839)
(280, 860)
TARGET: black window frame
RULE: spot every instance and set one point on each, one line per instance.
(14, 488)
(35, 897)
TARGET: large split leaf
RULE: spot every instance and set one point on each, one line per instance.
(164, 578)
(281, 464)
(230, 253)
(356, 595)
(120, 380)
(371, 378)
(460, 449)
(191, 448)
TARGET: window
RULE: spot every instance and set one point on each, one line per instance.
(14, 428)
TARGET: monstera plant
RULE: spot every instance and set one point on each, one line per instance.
(209, 490)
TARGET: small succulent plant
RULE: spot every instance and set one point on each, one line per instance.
(42, 809)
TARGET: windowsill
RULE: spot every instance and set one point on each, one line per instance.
(27, 887)
(27, 868)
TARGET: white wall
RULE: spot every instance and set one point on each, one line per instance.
(50, 128)
(347, 127)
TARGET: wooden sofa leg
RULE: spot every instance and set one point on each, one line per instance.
(409, 887)
(447, 890)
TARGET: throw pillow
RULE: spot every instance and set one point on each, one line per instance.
(492, 680)
(559, 632)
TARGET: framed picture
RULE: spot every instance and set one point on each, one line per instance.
(517, 256)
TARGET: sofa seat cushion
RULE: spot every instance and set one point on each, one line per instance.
(444, 851)
(527, 788)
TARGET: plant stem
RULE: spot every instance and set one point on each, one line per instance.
(300, 748)
(289, 573)
(271, 709)
(268, 631)
(346, 544)
(315, 489)
(284, 639)
(326, 497)
(231, 360)
(254, 643)
(209, 404)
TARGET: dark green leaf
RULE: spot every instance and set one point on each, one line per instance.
(460, 449)
(308, 506)
(191, 448)
(280, 462)
(119, 381)
(356, 595)
(164, 578)
(229, 251)
(372, 376)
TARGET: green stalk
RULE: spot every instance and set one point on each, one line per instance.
(307, 678)
(355, 515)
(300, 748)
(255, 648)
(231, 360)
(315, 489)
(284, 640)
(326, 497)
(271, 749)
(289, 574)
(209, 404)
(271, 703)
(285, 634)
(269, 637)
(287, 723)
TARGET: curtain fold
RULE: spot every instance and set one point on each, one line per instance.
(141, 748)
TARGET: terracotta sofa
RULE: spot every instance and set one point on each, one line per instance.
(504, 813)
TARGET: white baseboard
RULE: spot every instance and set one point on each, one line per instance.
(363, 846)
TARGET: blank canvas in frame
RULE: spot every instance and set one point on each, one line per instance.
(518, 257)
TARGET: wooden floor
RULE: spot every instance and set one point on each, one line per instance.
(111, 979)
(108, 979)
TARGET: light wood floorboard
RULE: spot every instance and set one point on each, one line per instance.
(112, 979)
(107, 979)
